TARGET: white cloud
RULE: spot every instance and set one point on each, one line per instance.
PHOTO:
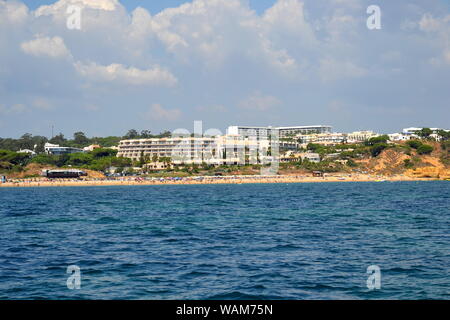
(212, 108)
(119, 73)
(259, 102)
(42, 104)
(46, 46)
(288, 16)
(57, 7)
(218, 50)
(211, 31)
(431, 24)
(14, 109)
(157, 112)
(332, 70)
(13, 12)
(440, 28)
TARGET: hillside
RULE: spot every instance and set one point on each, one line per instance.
(33, 170)
(397, 161)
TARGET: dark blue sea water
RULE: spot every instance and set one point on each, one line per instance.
(261, 241)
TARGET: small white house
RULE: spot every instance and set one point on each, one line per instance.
(310, 156)
(30, 152)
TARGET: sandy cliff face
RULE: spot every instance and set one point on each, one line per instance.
(389, 162)
(34, 169)
(429, 172)
(392, 162)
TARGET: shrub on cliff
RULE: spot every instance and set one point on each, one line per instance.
(378, 148)
(408, 163)
(414, 144)
(425, 149)
(377, 140)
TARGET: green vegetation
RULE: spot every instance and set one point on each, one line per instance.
(445, 135)
(420, 147)
(445, 145)
(28, 141)
(408, 164)
(103, 158)
(415, 144)
(12, 161)
(425, 149)
(351, 163)
(377, 148)
(445, 156)
(377, 140)
(377, 144)
(425, 133)
(99, 160)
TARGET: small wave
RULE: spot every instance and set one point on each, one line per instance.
(194, 275)
(237, 295)
(404, 270)
(107, 220)
(60, 220)
(284, 247)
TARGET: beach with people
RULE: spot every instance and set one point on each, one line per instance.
(127, 181)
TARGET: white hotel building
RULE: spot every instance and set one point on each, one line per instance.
(282, 132)
(228, 149)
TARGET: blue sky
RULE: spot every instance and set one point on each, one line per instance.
(158, 65)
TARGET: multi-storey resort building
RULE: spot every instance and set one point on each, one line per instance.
(281, 132)
(360, 136)
(293, 131)
(228, 149)
(322, 138)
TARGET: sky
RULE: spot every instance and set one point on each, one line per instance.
(161, 65)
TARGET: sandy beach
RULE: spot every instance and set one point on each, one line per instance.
(127, 181)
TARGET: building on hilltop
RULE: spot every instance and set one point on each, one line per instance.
(322, 138)
(92, 147)
(360, 136)
(281, 132)
(55, 149)
(292, 131)
(228, 149)
(28, 151)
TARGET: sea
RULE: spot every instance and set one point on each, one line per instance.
(344, 240)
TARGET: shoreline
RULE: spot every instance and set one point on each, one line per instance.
(208, 180)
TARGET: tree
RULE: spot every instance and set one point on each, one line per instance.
(39, 142)
(131, 134)
(62, 160)
(79, 159)
(315, 147)
(425, 132)
(378, 148)
(351, 163)
(145, 134)
(15, 158)
(165, 134)
(166, 160)
(375, 140)
(103, 152)
(58, 139)
(425, 149)
(408, 164)
(44, 159)
(445, 135)
(446, 145)
(414, 143)
(80, 139)
(26, 141)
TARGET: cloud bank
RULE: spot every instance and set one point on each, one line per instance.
(284, 66)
